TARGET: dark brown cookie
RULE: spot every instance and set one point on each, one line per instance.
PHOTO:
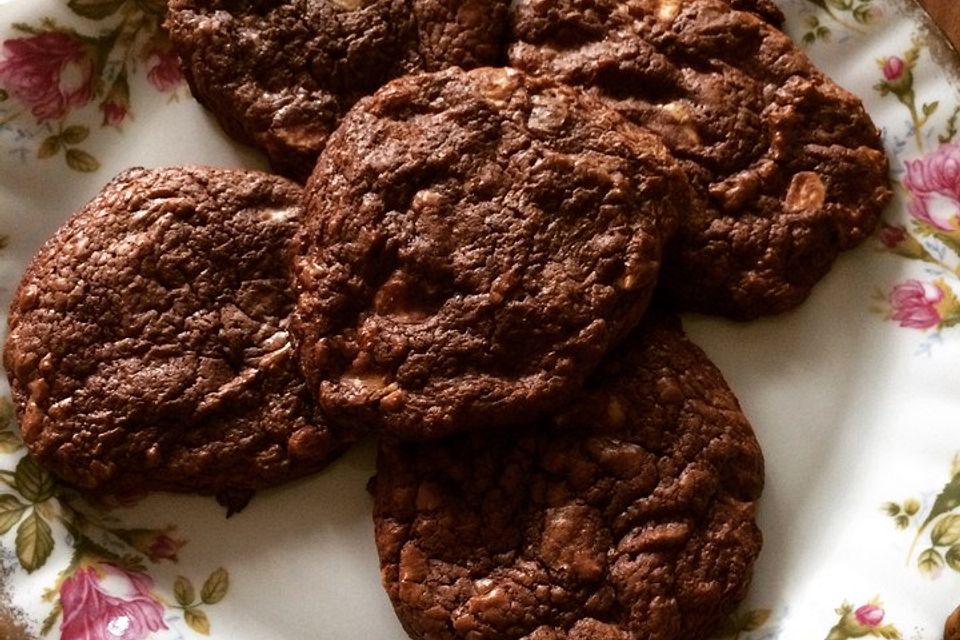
(790, 165)
(630, 518)
(474, 242)
(766, 9)
(148, 345)
(279, 74)
(951, 630)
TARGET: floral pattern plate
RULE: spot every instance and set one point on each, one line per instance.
(854, 396)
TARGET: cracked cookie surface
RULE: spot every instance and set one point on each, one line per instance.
(630, 517)
(473, 243)
(148, 345)
(279, 74)
(790, 166)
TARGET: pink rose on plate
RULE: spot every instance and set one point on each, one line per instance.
(50, 72)
(92, 612)
(164, 73)
(893, 68)
(163, 547)
(861, 622)
(934, 185)
(156, 544)
(915, 304)
(869, 615)
(116, 104)
(892, 236)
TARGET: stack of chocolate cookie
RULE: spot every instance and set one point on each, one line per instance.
(468, 275)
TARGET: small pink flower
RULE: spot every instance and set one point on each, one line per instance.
(90, 612)
(51, 72)
(869, 615)
(164, 73)
(893, 68)
(892, 236)
(914, 304)
(113, 113)
(116, 104)
(163, 547)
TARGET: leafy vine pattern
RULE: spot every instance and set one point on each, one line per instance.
(931, 183)
(51, 76)
(852, 15)
(862, 621)
(942, 520)
(106, 584)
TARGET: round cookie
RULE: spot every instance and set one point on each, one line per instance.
(631, 517)
(279, 74)
(951, 628)
(148, 345)
(473, 243)
(791, 168)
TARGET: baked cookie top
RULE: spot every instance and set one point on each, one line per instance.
(631, 517)
(148, 345)
(791, 168)
(279, 74)
(473, 243)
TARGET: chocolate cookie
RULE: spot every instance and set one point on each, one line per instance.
(790, 165)
(951, 630)
(766, 9)
(148, 345)
(473, 243)
(630, 518)
(279, 74)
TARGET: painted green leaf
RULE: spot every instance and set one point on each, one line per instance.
(754, 619)
(49, 147)
(183, 591)
(929, 561)
(215, 588)
(33, 483)
(946, 501)
(95, 9)
(75, 134)
(11, 510)
(10, 442)
(34, 542)
(892, 508)
(52, 618)
(889, 631)
(901, 522)
(911, 506)
(953, 557)
(912, 55)
(946, 532)
(79, 160)
(198, 621)
(930, 108)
